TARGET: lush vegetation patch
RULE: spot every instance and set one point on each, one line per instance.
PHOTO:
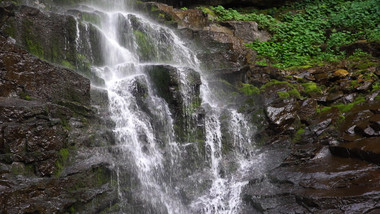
(312, 31)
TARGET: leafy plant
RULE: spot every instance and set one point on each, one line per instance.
(310, 32)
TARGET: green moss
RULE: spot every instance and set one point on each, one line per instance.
(274, 82)
(343, 107)
(311, 88)
(283, 95)
(146, 48)
(346, 107)
(24, 96)
(67, 64)
(194, 106)
(112, 209)
(321, 110)
(249, 89)
(65, 123)
(10, 30)
(63, 157)
(292, 93)
(295, 93)
(17, 169)
(92, 18)
(342, 118)
(102, 176)
(59, 168)
(258, 116)
(34, 48)
(64, 154)
(298, 136)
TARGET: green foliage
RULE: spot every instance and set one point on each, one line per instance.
(184, 8)
(249, 89)
(376, 86)
(310, 32)
(231, 14)
(207, 11)
(373, 35)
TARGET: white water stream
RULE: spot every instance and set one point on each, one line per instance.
(146, 132)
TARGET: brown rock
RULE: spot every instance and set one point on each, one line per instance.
(248, 31)
(341, 73)
(366, 149)
(307, 109)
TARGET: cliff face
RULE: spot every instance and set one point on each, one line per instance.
(48, 131)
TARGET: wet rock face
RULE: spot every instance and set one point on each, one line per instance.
(220, 44)
(26, 77)
(223, 50)
(30, 27)
(326, 184)
(44, 122)
(57, 38)
(360, 133)
(168, 82)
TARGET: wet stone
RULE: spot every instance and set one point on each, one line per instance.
(349, 98)
(366, 149)
(307, 109)
(365, 86)
(334, 96)
(283, 114)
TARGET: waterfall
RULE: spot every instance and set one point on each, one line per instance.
(188, 151)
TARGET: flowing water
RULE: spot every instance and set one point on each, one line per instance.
(180, 147)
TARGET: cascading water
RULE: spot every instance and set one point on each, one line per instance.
(170, 126)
